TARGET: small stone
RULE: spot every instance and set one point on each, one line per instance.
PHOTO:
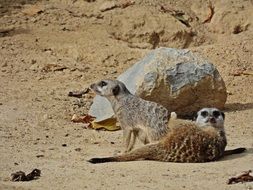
(45, 117)
(5, 64)
(113, 72)
(78, 149)
(105, 73)
(34, 67)
(33, 61)
(64, 145)
(40, 156)
(33, 19)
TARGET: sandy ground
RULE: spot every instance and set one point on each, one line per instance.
(51, 47)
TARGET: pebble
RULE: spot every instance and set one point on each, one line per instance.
(40, 156)
(78, 149)
(113, 72)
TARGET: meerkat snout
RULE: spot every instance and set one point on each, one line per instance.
(212, 120)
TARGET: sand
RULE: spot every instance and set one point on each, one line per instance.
(51, 47)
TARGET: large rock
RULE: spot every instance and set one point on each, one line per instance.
(175, 78)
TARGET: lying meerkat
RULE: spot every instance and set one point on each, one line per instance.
(200, 141)
(146, 120)
(203, 118)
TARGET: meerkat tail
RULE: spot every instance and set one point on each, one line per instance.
(102, 160)
(146, 152)
(234, 151)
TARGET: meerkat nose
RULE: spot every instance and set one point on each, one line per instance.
(212, 120)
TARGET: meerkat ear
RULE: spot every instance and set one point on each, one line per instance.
(195, 115)
(116, 90)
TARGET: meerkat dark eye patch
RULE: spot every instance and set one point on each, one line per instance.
(103, 83)
(204, 113)
(116, 90)
(216, 114)
(223, 115)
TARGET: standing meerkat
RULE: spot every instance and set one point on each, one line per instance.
(200, 141)
(137, 117)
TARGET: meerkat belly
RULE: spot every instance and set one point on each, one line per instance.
(156, 125)
(148, 133)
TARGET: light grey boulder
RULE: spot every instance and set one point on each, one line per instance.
(176, 78)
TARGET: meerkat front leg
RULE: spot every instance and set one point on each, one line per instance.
(126, 138)
(143, 137)
(133, 139)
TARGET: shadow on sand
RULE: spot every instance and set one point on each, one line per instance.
(238, 107)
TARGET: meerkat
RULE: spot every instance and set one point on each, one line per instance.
(139, 118)
(203, 118)
(200, 141)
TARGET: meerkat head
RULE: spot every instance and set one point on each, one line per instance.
(108, 88)
(210, 116)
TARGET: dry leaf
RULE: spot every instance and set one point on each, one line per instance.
(177, 14)
(20, 175)
(53, 67)
(108, 124)
(87, 125)
(88, 120)
(245, 177)
(211, 13)
(78, 94)
(82, 119)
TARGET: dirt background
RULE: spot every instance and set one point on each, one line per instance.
(51, 47)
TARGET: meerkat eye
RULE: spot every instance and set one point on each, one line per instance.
(204, 113)
(103, 83)
(216, 114)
